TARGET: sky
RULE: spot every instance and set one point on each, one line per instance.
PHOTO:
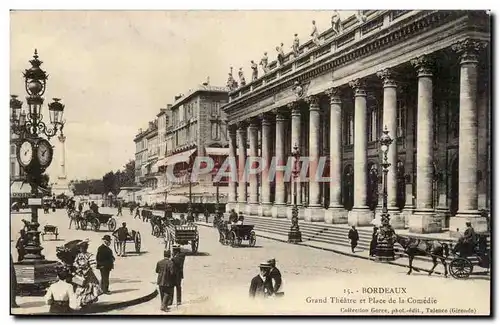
(114, 70)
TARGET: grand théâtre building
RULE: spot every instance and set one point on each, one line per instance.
(425, 75)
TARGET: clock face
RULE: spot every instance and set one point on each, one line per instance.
(44, 153)
(25, 154)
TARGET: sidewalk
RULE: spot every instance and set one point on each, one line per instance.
(358, 253)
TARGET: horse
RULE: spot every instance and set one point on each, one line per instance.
(419, 247)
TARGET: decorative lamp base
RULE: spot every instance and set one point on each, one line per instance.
(294, 236)
(35, 276)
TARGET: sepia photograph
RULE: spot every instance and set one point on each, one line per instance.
(250, 162)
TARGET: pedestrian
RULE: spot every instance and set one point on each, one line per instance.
(60, 295)
(21, 242)
(105, 262)
(207, 214)
(121, 234)
(13, 284)
(88, 291)
(275, 276)
(260, 286)
(373, 242)
(80, 207)
(119, 210)
(166, 280)
(353, 237)
(178, 261)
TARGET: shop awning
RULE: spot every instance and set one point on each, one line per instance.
(20, 189)
(122, 194)
(180, 157)
(217, 151)
(177, 199)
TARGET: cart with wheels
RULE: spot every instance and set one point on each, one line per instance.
(134, 237)
(182, 235)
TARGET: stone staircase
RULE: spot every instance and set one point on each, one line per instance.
(327, 233)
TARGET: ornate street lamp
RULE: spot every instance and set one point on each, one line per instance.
(294, 235)
(217, 183)
(190, 217)
(385, 242)
(34, 154)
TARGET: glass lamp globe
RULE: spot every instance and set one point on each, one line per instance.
(384, 148)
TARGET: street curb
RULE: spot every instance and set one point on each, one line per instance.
(335, 251)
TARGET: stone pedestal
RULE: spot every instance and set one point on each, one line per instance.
(230, 205)
(360, 217)
(241, 207)
(252, 209)
(314, 214)
(265, 210)
(425, 222)
(474, 217)
(336, 215)
(34, 277)
(279, 211)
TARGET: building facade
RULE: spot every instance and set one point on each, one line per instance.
(422, 75)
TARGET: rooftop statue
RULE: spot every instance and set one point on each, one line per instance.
(360, 16)
(315, 34)
(336, 23)
(242, 77)
(281, 54)
(295, 46)
(255, 71)
(264, 62)
(231, 83)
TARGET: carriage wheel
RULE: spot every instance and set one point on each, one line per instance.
(112, 224)
(194, 244)
(116, 246)
(156, 231)
(232, 239)
(83, 224)
(460, 268)
(96, 225)
(253, 239)
(137, 241)
(222, 238)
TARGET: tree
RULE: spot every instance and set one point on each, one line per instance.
(109, 182)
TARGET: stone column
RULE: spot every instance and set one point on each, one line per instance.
(360, 215)
(231, 200)
(468, 138)
(390, 122)
(279, 207)
(296, 139)
(336, 212)
(253, 135)
(314, 211)
(424, 219)
(266, 153)
(242, 175)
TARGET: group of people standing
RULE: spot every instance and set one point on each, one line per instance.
(268, 282)
(170, 272)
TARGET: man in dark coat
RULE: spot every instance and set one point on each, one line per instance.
(261, 286)
(166, 280)
(105, 262)
(13, 285)
(373, 242)
(21, 242)
(178, 261)
(122, 233)
(353, 237)
(274, 276)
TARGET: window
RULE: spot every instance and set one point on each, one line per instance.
(372, 124)
(349, 128)
(401, 119)
(215, 109)
(215, 131)
(224, 133)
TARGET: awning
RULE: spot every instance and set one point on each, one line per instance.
(180, 157)
(162, 162)
(177, 199)
(122, 194)
(20, 189)
(217, 151)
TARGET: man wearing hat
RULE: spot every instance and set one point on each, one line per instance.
(105, 262)
(121, 234)
(467, 241)
(178, 261)
(261, 286)
(274, 275)
(166, 280)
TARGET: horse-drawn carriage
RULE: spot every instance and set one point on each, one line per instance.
(50, 229)
(176, 233)
(132, 236)
(96, 220)
(234, 234)
(462, 265)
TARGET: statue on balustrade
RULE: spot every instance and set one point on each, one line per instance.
(336, 23)
(242, 77)
(281, 54)
(231, 83)
(255, 71)
(264, 62)
(360, 16)
(296, 45)
(315, 34)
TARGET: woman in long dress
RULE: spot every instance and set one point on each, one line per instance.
(89, 290)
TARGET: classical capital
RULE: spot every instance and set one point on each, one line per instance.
(265, 119)
(232, 129)
(313, 102)
(242, 125)
(358, 86)
(423, 64)
(334, 95)
(254, 123)
(280, 114)
(387, 77)
(469, 50)
(294, 107)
